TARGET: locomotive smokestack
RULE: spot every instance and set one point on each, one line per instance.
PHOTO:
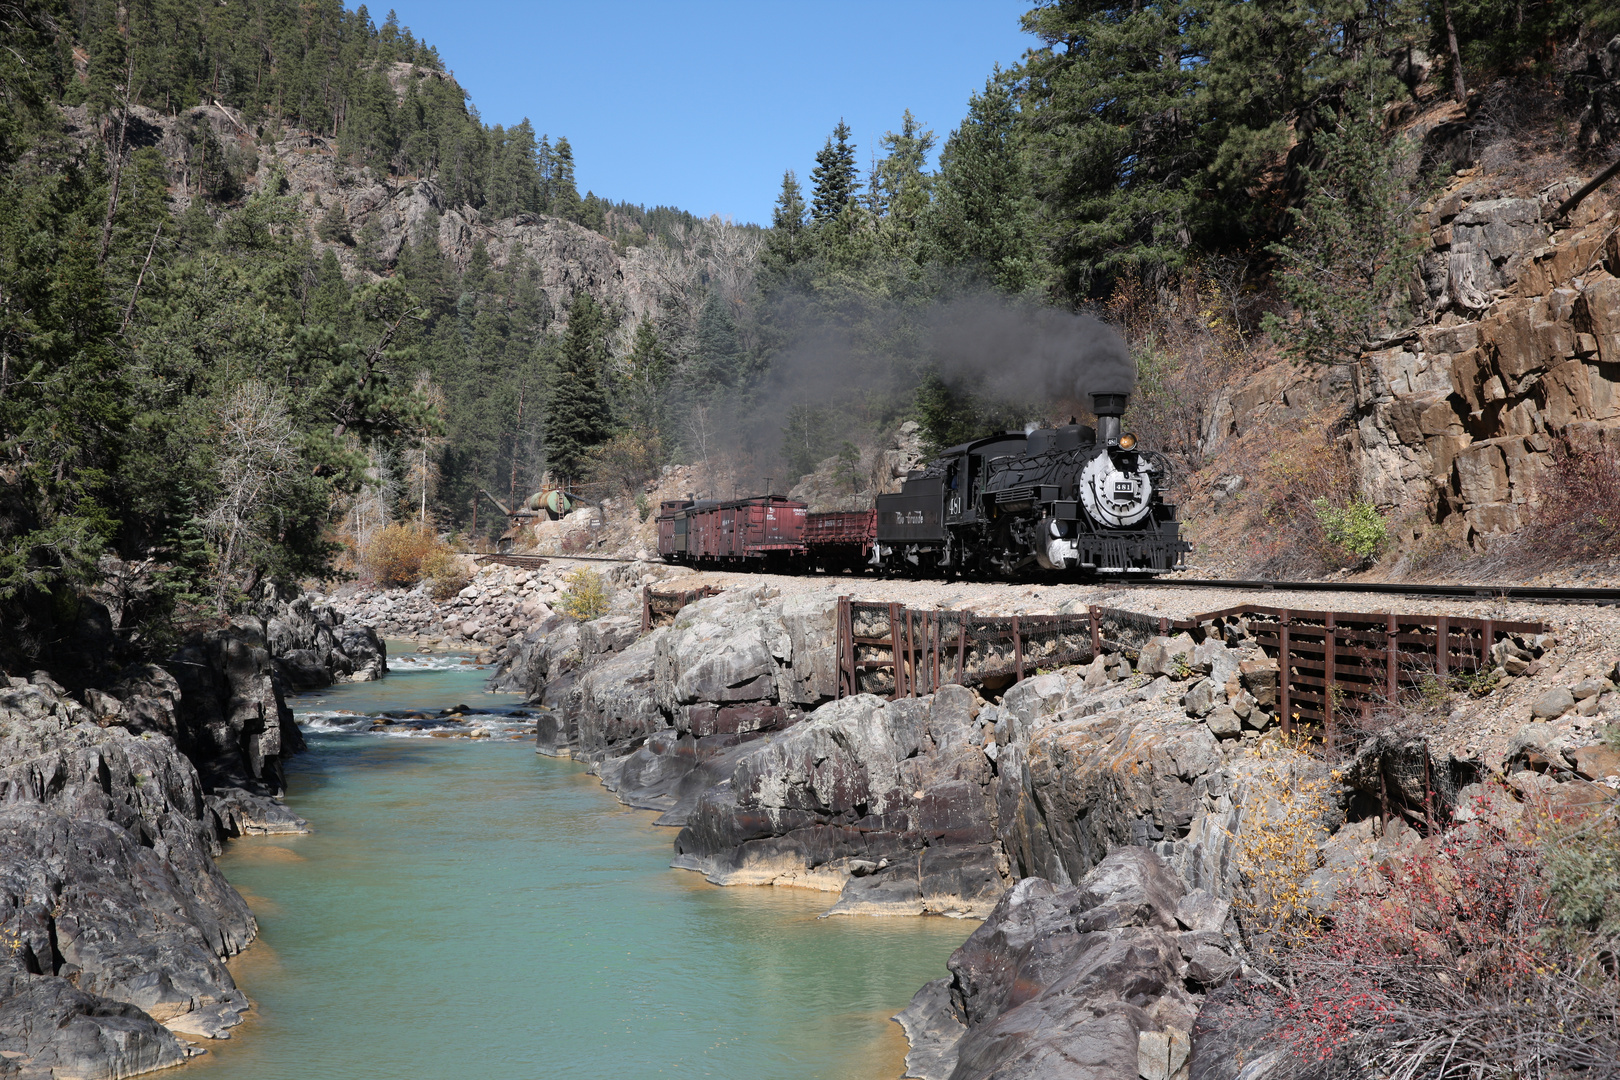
(1109, 404)
(1109, 408)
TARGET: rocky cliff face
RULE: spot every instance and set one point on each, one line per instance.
(1459, 419)
(119, 918)
(1102, 979)
(1515, 349)
(568, 258)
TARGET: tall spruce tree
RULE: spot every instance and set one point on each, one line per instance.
(900, 187)
(577, 412)
(833, 178)
(785, 243)
(984, 212)
(717, 363)
(564, 195)
(647, 372)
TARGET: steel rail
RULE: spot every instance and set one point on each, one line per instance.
(1395, 588)
(549, 558)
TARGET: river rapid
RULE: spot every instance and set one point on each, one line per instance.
(467, 908)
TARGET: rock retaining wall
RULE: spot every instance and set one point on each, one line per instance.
(722, 721)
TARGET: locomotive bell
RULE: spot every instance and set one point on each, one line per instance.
(1109, 408)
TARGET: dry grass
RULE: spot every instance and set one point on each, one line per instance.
(1269, 527)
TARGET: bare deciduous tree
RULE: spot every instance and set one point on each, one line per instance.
(258, 456)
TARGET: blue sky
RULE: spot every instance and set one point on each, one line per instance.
(702, 104)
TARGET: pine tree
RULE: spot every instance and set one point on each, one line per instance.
(984, 214)
(333, 226)
(514, 182)
(107, 69)
(833, 178)
(577, 413)
(785, 243)
(647, 374)
(899, 185)
(717, 363)
(1353, 242)
(565, 202)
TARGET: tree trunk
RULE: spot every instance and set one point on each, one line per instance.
(1459, 88)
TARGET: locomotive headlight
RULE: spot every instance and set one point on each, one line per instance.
(1127, 441)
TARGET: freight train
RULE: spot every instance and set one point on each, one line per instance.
(1076, 501)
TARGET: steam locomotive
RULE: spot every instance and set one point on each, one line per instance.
(1074, 500)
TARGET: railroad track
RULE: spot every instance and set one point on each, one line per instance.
(1396, 588)
(533, 561)
(1549, 593)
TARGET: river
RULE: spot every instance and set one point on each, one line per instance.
(471, 909)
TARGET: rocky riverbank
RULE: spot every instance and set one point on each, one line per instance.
(498, 604)
(116, 801)
(1155, 773)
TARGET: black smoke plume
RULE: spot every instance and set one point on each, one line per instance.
(1018, 352)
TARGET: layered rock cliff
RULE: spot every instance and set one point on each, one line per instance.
(1512, 354)
(1459, 419)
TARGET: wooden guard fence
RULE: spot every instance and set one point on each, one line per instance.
(1355, 660)
(904, 652)
(1328, 661)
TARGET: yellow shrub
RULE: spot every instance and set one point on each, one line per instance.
(1278, 850)
(587, 596)
(401, 555)
(445, 572)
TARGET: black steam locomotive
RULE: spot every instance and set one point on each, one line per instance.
(1074, 500)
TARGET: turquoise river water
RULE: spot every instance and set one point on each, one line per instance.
(471, 909)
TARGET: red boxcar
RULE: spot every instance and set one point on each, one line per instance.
(767, 528)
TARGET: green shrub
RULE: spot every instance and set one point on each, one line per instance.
(586, 597)
(1358, 529)
(1581, 852)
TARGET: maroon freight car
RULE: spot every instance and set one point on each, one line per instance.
(766, 529)
(841, 540)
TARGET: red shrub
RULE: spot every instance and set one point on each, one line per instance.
(1445, 965)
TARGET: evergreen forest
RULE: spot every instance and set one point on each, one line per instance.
(203, 378)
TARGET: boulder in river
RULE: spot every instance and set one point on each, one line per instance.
(889, 802)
